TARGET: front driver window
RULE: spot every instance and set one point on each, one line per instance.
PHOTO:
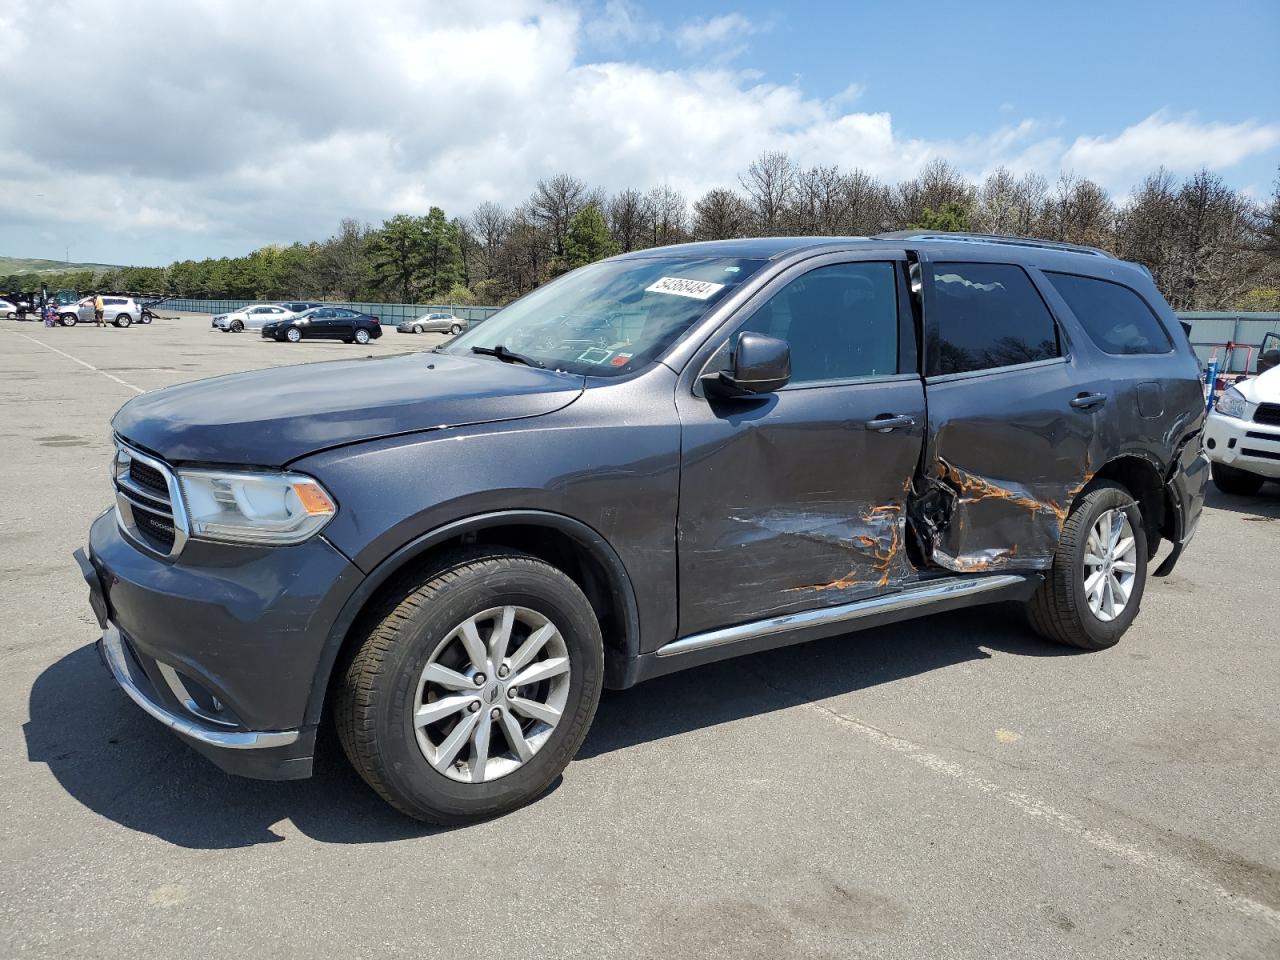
(841, 322)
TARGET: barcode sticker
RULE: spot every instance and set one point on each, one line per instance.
(693, 289)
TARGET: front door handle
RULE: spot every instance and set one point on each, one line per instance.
(888, 423)
(1086, 400)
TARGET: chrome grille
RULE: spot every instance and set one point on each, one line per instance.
(148, 502)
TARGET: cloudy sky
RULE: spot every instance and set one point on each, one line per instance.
(143, 132)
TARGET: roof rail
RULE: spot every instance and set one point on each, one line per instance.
(993, 238)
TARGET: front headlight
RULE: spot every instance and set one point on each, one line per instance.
(1231, 404)
(274, 509)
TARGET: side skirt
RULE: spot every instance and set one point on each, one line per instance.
(917, 600)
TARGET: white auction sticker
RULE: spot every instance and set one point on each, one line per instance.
(694, 289)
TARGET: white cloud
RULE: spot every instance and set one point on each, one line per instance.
(620, 23)
(1182, 144)
(725, 31)
(237, 126)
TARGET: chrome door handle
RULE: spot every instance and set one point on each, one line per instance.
(1086, 400)
(889, 424)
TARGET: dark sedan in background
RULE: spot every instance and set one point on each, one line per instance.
(326, 323)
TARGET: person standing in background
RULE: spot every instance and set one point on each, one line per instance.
(97, 309)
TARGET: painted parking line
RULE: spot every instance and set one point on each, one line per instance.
(109, 376)
(1037, 809)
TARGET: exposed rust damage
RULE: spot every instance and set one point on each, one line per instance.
(974, 488)
(943, 526)
(883, 547)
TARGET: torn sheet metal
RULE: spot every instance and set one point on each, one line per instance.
(969, 523)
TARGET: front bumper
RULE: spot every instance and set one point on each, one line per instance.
(222, 648)
(1243, 444)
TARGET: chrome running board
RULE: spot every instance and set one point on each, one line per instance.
(920, 596)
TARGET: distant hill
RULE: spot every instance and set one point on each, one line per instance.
(15, 265)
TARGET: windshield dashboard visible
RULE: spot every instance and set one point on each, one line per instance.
(612, 317)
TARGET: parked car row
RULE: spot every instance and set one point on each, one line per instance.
(259, 315)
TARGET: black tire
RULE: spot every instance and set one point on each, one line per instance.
(124, 320)
(1059, 610)
(293, 335)
(1238, 483)
(236, 326)
(364, 334)
(12, 315)
(69, 319)
(455, 329)
(374, 725)
(417, 329)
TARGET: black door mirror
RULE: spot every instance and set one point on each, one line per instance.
(758, 364)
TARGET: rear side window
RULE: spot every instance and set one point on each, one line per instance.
(989, 315)
(1116, 319)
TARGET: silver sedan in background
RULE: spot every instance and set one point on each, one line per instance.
(433, 323)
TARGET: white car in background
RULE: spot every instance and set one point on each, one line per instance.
(1242, 437)
(433, 323)
(251, 318)
(9, 310)
(117, 311)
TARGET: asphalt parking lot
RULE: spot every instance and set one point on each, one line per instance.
(951, 787)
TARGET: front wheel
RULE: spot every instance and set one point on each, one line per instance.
(362, 337)
(1092, 592)
(236, 326)
(12, 315)
(417, 329)
(473, 690)
(69, 319)
(1239, 483)
(293, 335)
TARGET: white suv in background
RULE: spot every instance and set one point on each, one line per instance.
(1242, 435)
(118, 311)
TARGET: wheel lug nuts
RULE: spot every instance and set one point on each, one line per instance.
(474, 706)
(503, 671)
(495, 713)
(479, 679)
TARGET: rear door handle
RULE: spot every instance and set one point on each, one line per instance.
(887, 424)
(1086, 400)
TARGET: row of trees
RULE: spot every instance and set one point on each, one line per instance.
(1208, 246)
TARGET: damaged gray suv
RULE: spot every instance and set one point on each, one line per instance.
(660, 460)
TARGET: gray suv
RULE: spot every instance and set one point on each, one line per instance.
(660, 460)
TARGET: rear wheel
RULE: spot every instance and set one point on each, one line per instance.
(236, 326)
(123, 320)
(293, 334)
(362, 336)
(455, 329)
(1092, 592)
(1240, 483)
(473, 690)
(69, 319)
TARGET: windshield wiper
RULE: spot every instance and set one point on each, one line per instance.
(508, 356)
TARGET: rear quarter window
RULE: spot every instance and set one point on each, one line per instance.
(1116, 319)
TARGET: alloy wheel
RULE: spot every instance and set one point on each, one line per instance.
(362, 336)
(1110, 565)
(491, 694)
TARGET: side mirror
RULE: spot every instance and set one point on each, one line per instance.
(759, 364)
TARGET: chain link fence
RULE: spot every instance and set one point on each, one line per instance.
(387, 313)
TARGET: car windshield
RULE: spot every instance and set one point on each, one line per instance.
(610, 318)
